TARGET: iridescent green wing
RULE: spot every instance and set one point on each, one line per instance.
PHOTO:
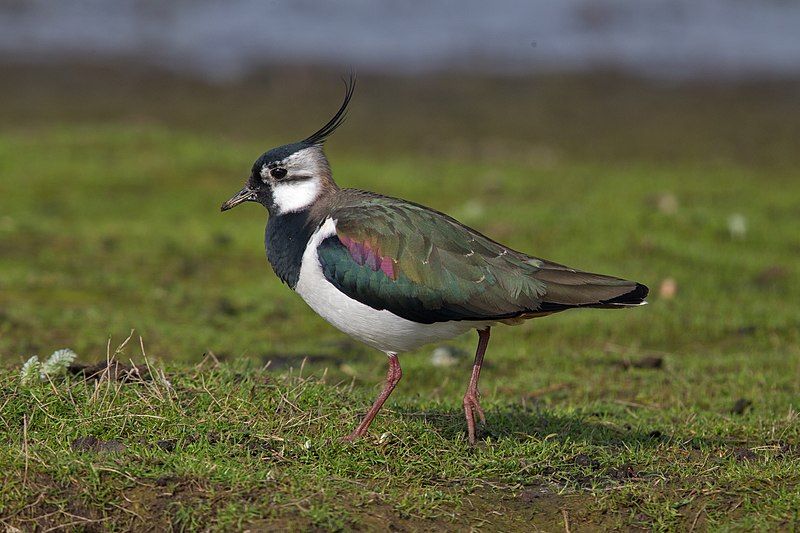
(424, 266)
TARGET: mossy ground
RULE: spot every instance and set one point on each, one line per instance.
(111, 184)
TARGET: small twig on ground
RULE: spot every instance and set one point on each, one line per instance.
(732, 509)
(696, 518)
(213, 357)
(566, 520)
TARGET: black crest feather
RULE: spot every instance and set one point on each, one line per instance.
(321, 135)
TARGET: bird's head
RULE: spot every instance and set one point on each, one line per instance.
(292, 177)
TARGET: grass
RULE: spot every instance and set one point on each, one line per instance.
(595, 419)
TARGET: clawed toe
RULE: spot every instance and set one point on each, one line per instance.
(472, 406)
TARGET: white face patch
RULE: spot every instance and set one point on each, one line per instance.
(302, 184)
(294, 196)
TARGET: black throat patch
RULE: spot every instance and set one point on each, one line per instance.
(285, 239)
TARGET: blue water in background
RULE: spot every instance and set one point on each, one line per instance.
(226, 40)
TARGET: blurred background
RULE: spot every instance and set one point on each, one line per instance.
(652, 140)
(226, 41)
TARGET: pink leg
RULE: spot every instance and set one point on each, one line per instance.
(393, 375)
(471, 405)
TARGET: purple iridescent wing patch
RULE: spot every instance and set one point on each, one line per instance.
(364, 253)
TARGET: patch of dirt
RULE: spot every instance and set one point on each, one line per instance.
(585, 461)
(741, 406)
(154, 502)
(111, 370)
(653, 362)
(533, 508)
(57, 506)
(745, 331)
(485, 509)
(788, 451)
(168, 445)
(624, 472)
(93, 444)
(771, 277)
(228, 307)
(150, 505)
(744, 455)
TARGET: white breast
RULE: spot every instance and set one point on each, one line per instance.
(380, 329)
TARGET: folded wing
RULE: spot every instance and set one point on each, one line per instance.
(425, 266)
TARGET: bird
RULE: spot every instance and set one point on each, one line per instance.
(396, 275)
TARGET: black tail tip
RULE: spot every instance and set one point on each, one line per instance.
(634, 297)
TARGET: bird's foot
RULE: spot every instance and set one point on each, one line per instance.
(355, 435)
(472, 406)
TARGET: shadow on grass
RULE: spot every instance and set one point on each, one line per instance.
(333, 355)
(520, 423)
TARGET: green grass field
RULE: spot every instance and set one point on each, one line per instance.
(676, 416)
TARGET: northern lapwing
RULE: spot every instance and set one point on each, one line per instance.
(396, 275)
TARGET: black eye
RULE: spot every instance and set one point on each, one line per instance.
(278, 173)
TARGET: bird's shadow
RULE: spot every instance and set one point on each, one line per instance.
(514, 421)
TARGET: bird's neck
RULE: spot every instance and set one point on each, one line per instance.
(285, 239)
